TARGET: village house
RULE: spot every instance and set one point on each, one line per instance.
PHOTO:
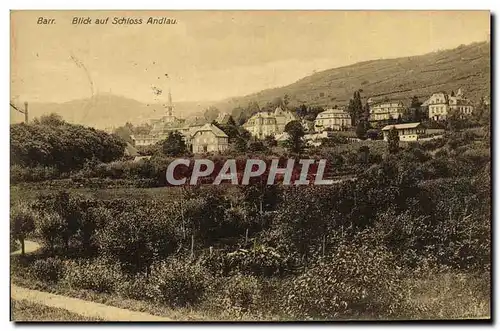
(209, 138)
(386, 110)
(335, 119)
(265, 124)
(406, 132)
(441, 104)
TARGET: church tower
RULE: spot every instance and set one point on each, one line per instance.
(170, 106)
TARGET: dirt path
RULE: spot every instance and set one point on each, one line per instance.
(29, 247)
(81, 307)
(74, 305)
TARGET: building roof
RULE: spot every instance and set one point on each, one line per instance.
(334, 111)
(131, 150)
(401, 126)
(212, 128)
(222, 118)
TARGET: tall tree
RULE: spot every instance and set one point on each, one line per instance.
(393, 141)
(362, 128)
(415, 109)
(355, 108)
(295, 142)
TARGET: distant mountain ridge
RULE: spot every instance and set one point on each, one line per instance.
(467, 67)
(107, 110)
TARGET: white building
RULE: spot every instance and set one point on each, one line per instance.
(265, 124)
(386, 110)
(335, 119)
(441, 105)
(406, 132)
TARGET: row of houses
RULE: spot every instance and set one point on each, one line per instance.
(201, 137)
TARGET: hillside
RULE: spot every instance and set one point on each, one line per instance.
(105, 110)
(467, 66)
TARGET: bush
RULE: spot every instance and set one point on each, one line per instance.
(179, 283)
(95, 275)
(137, 287)
(357, 279)
(48, 270)
(239, 294)
(261, 261)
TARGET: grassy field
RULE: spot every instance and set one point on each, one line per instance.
(24, 311)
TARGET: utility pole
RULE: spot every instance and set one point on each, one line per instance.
(25, 111)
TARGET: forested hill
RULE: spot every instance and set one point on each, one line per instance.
(467, 66)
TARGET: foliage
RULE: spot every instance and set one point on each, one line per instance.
(393, 141)
(178, 284)
(357, 279)
(49, 270)
(295, 142)
(239, 294)
(65, 147)
(22, 223)
(174, 145)
(95, 275)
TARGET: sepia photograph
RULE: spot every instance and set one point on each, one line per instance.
(250, 165)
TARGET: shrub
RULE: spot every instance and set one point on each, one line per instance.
(47, 270)
(137, 287)
(179, 283)
(95, 275)
(48, 228)
(356, 279)
(239, 294)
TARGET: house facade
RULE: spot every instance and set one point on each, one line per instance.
(335, 119)
(441, 104)
(209, 138)
(386, 110)
(406, 132)
(265, 124)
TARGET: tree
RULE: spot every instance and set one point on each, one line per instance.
(211, 114)
(361, 129)
(363, 154)
(174, 145)
(286, 100)
(270, 141)
(22, 223)
(416, 109)
(124, 132)
(52, 119)
(256, 146)
(230, 121)
(393, 141)
(295, 142)
(301, 111)
(355, 108)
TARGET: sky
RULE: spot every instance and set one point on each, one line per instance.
(212, 55)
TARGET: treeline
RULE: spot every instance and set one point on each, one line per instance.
(56, 146)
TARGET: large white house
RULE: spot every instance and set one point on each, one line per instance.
(441, 104)
(335, 119)
(406, 131)
(386, 110)
(265, 124)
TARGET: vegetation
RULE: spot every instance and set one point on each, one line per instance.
(24, 311)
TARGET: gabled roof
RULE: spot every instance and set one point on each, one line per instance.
(210, 127)
(401, 126)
